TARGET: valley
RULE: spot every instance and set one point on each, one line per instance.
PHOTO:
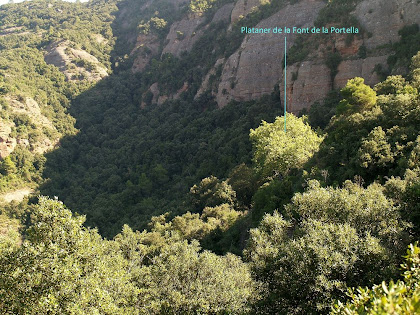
(145, 167)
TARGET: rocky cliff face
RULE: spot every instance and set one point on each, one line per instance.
(307, 82)
(7, 143)
(364, 68)
(243, 8)
(76, 64)
(383, 19)
(29, 108)
(183, 34)
(147, 47)
(256, 67)
(181, 38)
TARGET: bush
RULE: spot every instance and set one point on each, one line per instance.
(401, 297)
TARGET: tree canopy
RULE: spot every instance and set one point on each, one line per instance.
(277, 151)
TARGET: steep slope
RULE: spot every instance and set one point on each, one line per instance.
(255, 66)
(111, 108)
(76, 64)
(124, 96)
(50, 52)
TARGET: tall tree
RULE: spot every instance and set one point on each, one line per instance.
(277, 151)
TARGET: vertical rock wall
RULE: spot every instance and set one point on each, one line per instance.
(256, 67)
(383, 19)
(307, 82)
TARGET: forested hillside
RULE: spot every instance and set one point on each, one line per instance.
(139, 176)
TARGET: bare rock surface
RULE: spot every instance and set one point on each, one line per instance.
(154, 88)
(310, 81)
(178, 3)
(364, 68)
(16, 30)
(347, 50)
(100, 39)
(243, 8)
(182, 35)
(74, 63)
(147, 46)
(383, 19)
(163, 98)
(307, 82)
(205, 85)
(30, 108)
(7, 143)
(17, 195)
(223, 14)
(10, 30)
(256, 67)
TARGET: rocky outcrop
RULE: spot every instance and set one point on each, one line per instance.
(76, 64)
(29, 108)
(151, 96)
(205, 85)
(16, 195)
(382, 20)
(159, 99)
(346, 50)
(7, 143)
(163, 98)
(154, 88)
(147, 46)
(243, 8)
(364, 68)
(223, 14)
(17, 31)
(99, 39)
(183, 89)
(10, 30)
(307, 82)
(256, 67)
(182, 35)
(178, 3)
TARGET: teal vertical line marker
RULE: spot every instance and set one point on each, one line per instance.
(285, 70)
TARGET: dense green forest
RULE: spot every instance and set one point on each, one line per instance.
(187, 208)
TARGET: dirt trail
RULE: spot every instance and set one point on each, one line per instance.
(16, 195)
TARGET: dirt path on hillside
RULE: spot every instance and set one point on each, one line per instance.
(16, 195)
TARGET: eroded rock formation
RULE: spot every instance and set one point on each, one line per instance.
(382, 20)
(27, 107)
(182, 35)
(76, 64)
(7, 143)
(256, 67)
